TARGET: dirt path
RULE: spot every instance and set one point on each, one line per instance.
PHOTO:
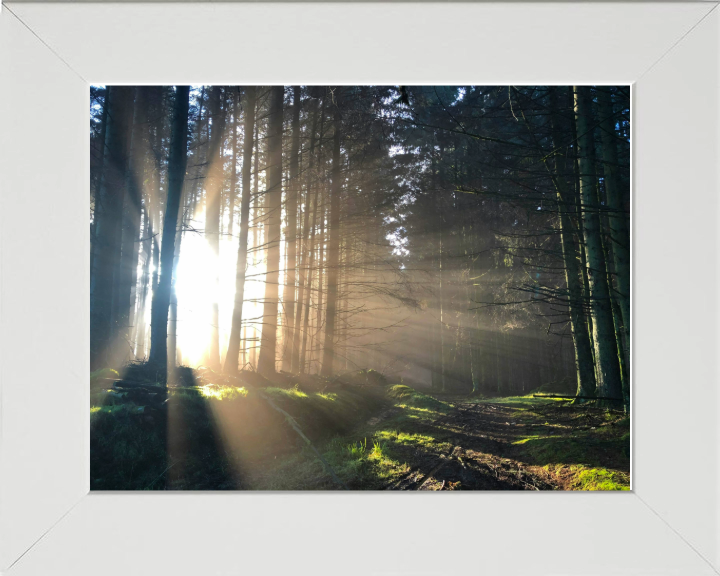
(477, 456)
(483, 446)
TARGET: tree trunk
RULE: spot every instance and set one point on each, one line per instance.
(291, 209)
(233, 353)
(256, 227)
(619, 222)
(233, 171)
(212, 217)
(585, 369)
(333, 250)
(305, 272)
(321, 266)
(127, 283)
(176, 176)
(268, 344)
(606, 351)
(144, 284)
(108, 220)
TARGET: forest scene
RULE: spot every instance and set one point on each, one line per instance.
(360, 287)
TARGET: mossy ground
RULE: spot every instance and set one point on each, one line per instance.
(217, 434)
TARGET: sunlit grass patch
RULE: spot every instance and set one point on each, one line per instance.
(411, 397)
(526, 440)
(286, 392)
(379, 450)
(601, 479)
(416, 440)
(367, 463)
(224, 392)
(357, 449)
(109, 409)
(584, 478)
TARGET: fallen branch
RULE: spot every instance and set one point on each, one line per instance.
(290, 420)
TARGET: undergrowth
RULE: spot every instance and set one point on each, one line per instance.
(210, 432)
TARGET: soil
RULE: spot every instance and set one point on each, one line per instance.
(482, 455)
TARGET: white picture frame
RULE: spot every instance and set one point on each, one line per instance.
(669, 524)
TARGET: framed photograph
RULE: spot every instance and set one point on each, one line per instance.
(340, 250)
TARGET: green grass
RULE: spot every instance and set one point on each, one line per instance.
(373, 456)
(528, 401)
(211, 434)
(586, 459)
(224, 392)
(600, 479)
(223, 437)
(410, 397)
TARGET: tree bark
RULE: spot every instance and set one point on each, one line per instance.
(619, 221)
(606, 351)
(585, 369)
(176, 176)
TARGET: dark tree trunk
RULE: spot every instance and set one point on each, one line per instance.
(108, 222)
(619, 224)
(291, 236)
(233, 172)
(176, 176)
(127, 283)
(585, 369)
(606, 350)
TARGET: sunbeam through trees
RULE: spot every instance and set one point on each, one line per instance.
(363, 287)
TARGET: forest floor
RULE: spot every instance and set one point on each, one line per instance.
(208, 432)
(444, 442)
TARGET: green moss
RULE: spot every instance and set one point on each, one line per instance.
(600, 479)
(410, 397)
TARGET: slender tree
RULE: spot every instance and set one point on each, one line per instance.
(268, 345)
(606, 350)
(584, 363)
(617, 215)
(176, 176)
(108, 221)
(233, 353)
(333, 247)
(291, 209)
(213, 199)
(306, 252)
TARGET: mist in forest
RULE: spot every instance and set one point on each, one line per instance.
(458, 240)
